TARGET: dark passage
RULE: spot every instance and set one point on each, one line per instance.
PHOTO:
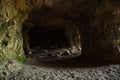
(43, 38)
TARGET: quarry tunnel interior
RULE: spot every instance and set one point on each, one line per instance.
(42, 38)
(59, 39)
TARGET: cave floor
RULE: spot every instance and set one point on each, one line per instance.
(70, 69)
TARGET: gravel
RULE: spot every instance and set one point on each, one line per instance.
(35, 70)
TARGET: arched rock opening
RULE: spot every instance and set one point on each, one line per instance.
(62, 41)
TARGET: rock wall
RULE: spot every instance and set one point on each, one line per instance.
(11, 18)
(98, 22)
(13, 14)
(101, 34)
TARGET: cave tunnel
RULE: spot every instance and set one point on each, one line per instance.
(48, 40)
(43, 38)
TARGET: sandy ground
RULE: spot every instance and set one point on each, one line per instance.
(72, 69)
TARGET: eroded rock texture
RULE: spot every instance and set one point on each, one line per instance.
(11, 19)
(97, 21)
(47, 18)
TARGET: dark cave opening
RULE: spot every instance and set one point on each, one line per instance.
(45, 38)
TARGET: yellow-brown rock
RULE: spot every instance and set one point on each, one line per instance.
(98, 22)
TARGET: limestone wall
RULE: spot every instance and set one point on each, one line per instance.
(98, 21)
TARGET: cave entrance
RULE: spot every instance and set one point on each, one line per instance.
(41, 37)
(47, 43)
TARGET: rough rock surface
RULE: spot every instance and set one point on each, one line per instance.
(98, 22)
(13, 13)
(60, 71)
(11, 18)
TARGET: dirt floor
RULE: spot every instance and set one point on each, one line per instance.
(70, 69)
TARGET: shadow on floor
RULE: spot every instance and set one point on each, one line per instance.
(78, 62)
